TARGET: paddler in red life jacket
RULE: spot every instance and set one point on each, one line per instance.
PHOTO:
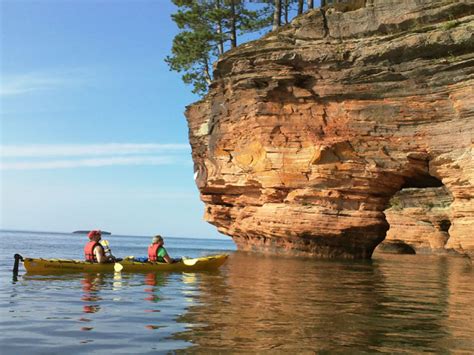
(157, 252)
(94, 251)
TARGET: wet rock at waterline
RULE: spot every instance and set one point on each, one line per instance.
(308, 133)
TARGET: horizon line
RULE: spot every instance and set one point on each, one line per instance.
(114, 234)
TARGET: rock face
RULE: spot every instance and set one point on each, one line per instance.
(307, 134)
(419, 221)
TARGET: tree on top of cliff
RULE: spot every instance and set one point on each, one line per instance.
(193, 46)
(210, 27)
(207, 27)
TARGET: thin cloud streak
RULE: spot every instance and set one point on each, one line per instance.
(88, 163)
(148, 194)
(77, 150)
(20, 84)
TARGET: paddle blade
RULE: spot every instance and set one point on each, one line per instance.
(118, 267)
(190, 262)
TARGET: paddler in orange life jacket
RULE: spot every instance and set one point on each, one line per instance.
(157, 252)
(94, 251)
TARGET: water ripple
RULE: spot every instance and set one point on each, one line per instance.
(393, 304)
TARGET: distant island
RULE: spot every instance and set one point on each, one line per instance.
(86, 232)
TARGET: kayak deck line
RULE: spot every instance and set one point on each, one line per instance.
(40, 265)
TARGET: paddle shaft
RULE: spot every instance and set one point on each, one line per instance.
(18, 258)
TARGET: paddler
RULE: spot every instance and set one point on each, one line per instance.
(157, 252)
(94, 251)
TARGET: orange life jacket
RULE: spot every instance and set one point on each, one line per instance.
(89, 251)
(153, 252)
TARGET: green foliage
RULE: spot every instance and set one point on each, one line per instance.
(208, 28)
(193, 46)
(252, 20)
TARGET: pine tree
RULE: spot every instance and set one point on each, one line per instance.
(209, 27)
(206, 26)
(300, 6)
(194, 46)
(241, 20)
(287, 7)
(218, 18)
(277, 15)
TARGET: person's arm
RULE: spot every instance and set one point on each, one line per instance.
(99, 255)
(167, 258)
(164, 254)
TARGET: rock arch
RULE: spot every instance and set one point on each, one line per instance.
(307, 134)
(419, 216)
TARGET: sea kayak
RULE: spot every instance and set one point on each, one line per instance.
(206, 263)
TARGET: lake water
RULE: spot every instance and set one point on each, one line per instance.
(254, 303)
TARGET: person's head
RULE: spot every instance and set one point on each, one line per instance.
(157, 239)
(94, 235)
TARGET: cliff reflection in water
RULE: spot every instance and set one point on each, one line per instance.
(394, 304)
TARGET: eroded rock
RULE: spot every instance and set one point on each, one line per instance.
(307, 134)
(420, 219)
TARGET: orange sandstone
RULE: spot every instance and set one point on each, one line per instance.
(307, 133)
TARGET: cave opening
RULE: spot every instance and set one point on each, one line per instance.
(422, 182)
(419, 217)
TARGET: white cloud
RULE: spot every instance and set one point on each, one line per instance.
(148, 194)
(20, 84)
(86, 163)
(75, 150)
(67, 156)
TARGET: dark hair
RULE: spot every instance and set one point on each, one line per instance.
(157, 238)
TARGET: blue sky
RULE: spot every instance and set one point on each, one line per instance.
(93, 133)
(92, 127)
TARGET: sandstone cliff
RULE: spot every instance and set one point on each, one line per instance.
(307, 134)
(419, 220)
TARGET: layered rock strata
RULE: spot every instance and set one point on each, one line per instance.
(307, 133)
(419, 221)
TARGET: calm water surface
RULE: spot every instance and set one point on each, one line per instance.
(393, 304)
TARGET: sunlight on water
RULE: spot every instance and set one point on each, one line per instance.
(391, 304)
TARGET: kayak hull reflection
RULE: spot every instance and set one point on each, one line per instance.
(207, 263)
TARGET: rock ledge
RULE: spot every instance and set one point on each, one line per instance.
(307, 134)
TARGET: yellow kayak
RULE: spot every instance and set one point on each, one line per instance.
(206, 263)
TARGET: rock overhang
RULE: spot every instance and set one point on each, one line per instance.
(306, 134)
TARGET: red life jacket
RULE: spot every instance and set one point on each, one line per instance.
(89, 251)
(153, 252)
